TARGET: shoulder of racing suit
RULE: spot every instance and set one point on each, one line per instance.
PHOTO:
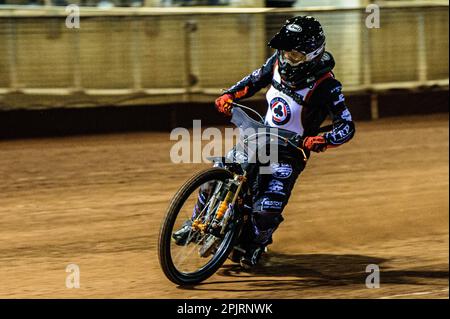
(255, 81)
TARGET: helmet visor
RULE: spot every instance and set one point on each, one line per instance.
(294, 57)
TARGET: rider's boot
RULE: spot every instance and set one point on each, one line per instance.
(252, 256)
(253, 253)
(181, 236)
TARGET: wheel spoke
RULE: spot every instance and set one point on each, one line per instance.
(186, 251)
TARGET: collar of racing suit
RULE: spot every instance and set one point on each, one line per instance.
(321, 73)
(325, 65)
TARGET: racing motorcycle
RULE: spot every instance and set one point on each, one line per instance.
(212, 209)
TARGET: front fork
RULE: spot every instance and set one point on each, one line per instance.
(225, 208)
(238, 180)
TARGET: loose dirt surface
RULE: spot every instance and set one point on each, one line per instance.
(98, 202)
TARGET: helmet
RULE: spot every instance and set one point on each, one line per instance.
(300, 44)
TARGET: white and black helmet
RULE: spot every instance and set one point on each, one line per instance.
(300, 44)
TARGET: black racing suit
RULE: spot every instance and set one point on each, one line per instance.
(272, 192)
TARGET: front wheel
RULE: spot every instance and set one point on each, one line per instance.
(199, 254)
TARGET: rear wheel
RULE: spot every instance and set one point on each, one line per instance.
(199, 254)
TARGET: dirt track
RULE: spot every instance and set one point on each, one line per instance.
(98, 202)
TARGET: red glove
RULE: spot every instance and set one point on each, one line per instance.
(315, 143)
(223, 104)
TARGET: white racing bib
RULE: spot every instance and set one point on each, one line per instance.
(283, 112)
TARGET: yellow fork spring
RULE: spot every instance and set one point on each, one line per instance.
(221, 210)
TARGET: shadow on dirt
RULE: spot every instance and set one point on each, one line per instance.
(302, 271)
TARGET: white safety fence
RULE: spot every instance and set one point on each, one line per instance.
(158, 55)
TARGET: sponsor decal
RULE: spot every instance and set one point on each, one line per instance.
(271, 204)
(281, 112)
(281, 170)
(346, 115)
(256, 74)
(337, 89)
(340, 99)
(294, 27)
(276, 187)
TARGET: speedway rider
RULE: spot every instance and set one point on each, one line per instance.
(303, 92)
